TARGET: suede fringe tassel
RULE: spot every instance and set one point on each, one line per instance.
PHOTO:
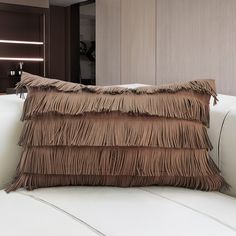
(116, 161)
(204, 183)
(199, 86)
(114, 130)
(50, 166)
(162, 105)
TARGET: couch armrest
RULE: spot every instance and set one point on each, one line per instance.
(10, 128)
(223, 137)
(227, 150)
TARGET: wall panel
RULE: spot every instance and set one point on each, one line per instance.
(108, 42)
(22, 23)
(58, 45)
(138, 41)
(196, 40)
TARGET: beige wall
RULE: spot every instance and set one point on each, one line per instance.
(33, 3)
(125, 39)
(165, 41)
(138, 41)
(195, 40)
(108, 50)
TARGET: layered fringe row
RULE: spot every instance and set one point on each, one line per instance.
(205, 183)
(198, 86)
(114, 130)
(116, 161)
(163, 105)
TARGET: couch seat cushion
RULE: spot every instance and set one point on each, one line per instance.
(115, 211)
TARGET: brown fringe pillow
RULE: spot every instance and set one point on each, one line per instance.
(88, 135)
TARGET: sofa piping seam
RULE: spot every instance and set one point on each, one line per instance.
(65, 213)
(190, 208)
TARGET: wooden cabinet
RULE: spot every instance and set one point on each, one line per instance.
(23, 38)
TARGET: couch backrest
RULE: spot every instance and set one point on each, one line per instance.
(222, 133)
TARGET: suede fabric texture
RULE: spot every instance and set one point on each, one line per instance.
(89, 135)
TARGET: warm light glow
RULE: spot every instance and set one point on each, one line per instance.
(20, 59)
(20, 42)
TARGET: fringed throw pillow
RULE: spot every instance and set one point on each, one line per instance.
(88, 135)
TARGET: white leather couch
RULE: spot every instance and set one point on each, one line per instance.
(110, 211)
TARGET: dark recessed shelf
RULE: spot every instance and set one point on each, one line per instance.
(14, 77)
(23, 38)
